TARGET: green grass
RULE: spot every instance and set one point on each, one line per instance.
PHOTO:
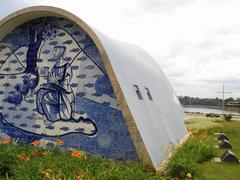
(198, 149)
(204, 133)
(203, 123)
(188, 157)
(225, 170)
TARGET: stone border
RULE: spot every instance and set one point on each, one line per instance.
(162, 166)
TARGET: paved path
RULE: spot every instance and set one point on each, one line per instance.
(203, 116)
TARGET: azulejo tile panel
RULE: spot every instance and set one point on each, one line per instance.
(54, 84)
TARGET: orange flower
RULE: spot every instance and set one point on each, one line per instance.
(35, 143)
(5, 140)
(22, 156)
(81, 175)
(177, 178)
(76, 154)
(36, 153)
(59, 142)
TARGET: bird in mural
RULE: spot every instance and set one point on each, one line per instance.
(29, 83)
(33, 83)
(15, 98)
(24, 87)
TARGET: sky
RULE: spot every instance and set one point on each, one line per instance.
(195, 42)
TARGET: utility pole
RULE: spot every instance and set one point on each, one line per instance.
(223, 96)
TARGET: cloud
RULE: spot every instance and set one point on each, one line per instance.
(9, 6)
(196, 42)
(162, 5)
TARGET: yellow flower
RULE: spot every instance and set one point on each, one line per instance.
(189, 175)
(46, 172)
(47, 153)
(81, 175)
(76, 154)
(22, 156)
(35, 143)
(59, 142)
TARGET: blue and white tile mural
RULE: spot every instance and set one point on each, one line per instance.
(53, 83)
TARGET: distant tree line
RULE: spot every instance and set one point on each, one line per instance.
(186, 100)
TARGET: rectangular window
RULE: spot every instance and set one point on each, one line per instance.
(149, 94)
(138, 92)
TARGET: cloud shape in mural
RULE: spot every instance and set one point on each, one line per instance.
(103, 87)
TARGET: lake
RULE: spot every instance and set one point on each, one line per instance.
(211, 109)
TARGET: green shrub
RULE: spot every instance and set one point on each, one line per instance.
(7, 160)
(6, 165)
(227, 117)
(212, 115)
(186, 158)
(181, 166)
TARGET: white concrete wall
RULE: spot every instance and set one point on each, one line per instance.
(159, 121)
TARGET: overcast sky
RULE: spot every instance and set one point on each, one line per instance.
(196, 42)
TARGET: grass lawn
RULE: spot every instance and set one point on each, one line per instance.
(206, 128)
(203, 123)
(191, 161)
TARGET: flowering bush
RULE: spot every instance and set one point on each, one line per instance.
(5, 141)
(22, 156)
(36, 162)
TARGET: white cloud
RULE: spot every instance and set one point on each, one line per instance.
(195, 42)
(163, 5)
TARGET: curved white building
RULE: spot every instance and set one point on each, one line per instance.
(61, 78)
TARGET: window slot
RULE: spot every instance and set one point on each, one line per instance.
(149, 94)
(138, 92)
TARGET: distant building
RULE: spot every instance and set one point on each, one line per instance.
(233, 104)
(61, 78)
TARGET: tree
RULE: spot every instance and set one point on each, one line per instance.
(39, 30)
